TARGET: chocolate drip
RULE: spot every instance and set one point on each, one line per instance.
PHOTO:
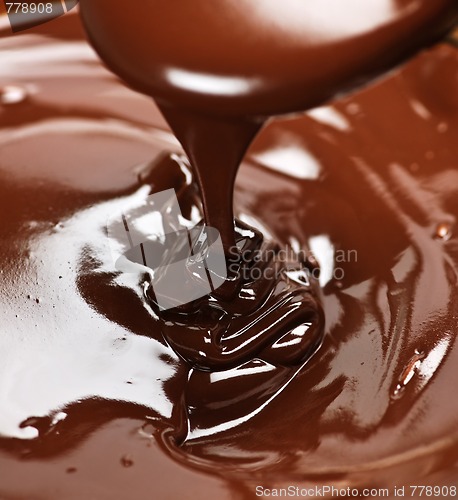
(215, 147)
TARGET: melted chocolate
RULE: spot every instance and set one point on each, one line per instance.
(94, 397)
(228, 70)
(205, 63)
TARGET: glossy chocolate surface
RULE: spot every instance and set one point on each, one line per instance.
(218, 70)
(94, 401)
